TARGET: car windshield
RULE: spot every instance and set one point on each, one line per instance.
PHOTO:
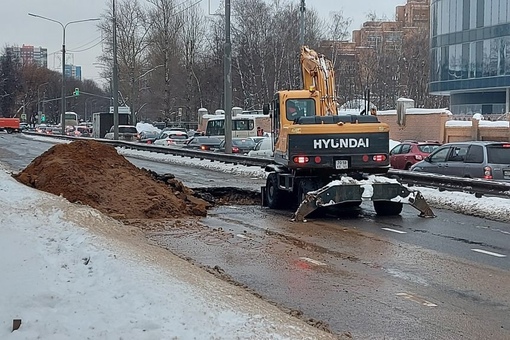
(243, 142)
(208, 140)
(428, 148)
(499, 154)
(177, 136)
(127, 129)
(151, 133)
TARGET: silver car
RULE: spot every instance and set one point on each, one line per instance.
(475, 159)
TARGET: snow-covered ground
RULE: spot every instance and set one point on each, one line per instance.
(69, 272)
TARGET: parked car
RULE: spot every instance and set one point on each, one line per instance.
(148, 136)
(476, 159)
(126, 132)
(404, 155)
(239, 145)
(204, 143)
(181, 129)
(171, 138)
(264, 148)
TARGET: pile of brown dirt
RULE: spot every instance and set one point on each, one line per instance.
(94, 174)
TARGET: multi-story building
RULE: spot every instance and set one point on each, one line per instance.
(73, 71)
(28, 54)
(470, 54)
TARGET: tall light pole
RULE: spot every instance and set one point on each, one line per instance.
(39, 101)
(63, 94)
(227, 73)
(115, 78)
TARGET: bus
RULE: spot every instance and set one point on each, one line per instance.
(243, 125)
(71, 119)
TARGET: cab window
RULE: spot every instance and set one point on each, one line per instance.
(303, 108)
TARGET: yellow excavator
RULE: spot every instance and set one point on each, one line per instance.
(325, 159)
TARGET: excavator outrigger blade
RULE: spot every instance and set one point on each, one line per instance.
(387, 194)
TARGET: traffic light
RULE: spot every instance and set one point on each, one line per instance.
(76, 92)
(43, 118)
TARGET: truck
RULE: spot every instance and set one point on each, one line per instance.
(10, 125)
(102, 122)
(323, 159)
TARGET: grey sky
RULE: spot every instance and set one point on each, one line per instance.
(18, 28)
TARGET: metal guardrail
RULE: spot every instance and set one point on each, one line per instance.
(476, 186)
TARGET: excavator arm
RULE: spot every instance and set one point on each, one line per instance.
(318, 74)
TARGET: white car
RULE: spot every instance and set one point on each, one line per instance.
(171, 138)
(264, 148)
(126, 132)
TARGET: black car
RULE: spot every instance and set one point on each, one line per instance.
(239, 145)
(203, 143)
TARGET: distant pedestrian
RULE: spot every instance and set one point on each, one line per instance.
(260, 132)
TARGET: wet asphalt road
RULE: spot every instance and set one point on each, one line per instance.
(377, 278)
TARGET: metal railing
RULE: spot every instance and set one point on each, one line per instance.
(476, 186)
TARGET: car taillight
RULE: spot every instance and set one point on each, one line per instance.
(379, 158)
(301, 159)
(203, 147)
(235, 149)
(317, 160)
(418, 157)
(506, 145)
(170, 141)
(487, 172)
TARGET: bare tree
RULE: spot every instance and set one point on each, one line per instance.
(165, 27)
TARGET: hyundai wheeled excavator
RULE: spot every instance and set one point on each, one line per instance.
(324, 159)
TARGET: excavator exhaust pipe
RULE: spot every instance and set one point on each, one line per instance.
(387, 194)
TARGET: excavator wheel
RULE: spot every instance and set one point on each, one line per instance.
(275, 197)
(387, 208)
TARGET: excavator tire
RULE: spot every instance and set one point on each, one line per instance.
(387, 208)
(275, 197)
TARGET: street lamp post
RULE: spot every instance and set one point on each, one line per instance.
(63, 94)
(39, 101)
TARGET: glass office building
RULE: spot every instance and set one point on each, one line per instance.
(470, 54)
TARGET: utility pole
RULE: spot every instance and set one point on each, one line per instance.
(115, 79)
(302, 10)
(227, 74)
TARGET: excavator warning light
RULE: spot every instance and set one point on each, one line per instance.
(312, 88)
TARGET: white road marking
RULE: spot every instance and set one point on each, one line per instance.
(416, 299)
(316, 262)
(242, 236)
(488, 252)
(394, 231)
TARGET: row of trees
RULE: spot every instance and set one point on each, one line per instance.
(170, 56)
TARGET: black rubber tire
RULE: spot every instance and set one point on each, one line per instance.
(275, 197)
(9, 130)
(387, 208)
(408, 166)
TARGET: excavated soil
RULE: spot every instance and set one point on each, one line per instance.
(94, 174)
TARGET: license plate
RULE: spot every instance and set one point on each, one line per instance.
(341, 164)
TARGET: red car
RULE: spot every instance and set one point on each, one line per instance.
(408, 153)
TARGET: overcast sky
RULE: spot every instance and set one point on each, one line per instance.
(83, 39)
